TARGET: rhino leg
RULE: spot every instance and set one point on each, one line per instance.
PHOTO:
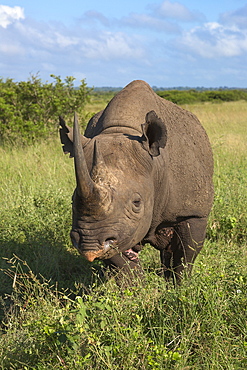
(185, 244)
(127, 266)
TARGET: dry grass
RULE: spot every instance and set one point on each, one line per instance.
(225, 123)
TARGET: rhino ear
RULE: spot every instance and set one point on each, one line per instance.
(154, 134)
(66, 137)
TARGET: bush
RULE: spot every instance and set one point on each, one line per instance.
(196, 96)
(29, 110)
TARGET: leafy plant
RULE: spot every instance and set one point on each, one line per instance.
(29, 110)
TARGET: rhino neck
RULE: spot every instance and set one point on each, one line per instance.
(123, 129)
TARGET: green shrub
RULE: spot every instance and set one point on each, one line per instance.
(29, 110)
(196, 96)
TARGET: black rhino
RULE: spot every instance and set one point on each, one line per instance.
(144, 172)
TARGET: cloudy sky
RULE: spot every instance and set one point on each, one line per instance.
(110, 43)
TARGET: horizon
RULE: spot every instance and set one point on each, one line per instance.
(154, 87)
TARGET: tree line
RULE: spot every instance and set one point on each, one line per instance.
(29, 109)
(196, 96)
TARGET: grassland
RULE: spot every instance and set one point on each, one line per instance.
(57, 312)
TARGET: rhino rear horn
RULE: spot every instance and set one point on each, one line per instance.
(154, 134)
(99, 173)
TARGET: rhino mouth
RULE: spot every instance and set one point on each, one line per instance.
(107, 250)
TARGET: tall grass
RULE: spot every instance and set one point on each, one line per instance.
(58, 312)
(226, 125)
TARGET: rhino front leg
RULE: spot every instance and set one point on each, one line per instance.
(187, 241)
(127, 266)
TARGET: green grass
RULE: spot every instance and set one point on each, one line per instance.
(57, 311)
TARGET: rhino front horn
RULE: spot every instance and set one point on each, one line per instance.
(91, 189)
(85, 184)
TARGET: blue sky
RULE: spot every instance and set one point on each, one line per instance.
(110, 43)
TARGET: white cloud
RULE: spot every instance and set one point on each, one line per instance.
(9, 15)
(45, 36)
(48, 67)
(134, 20)
(178, 11)
(213, 40)
(64, 41)
(151, 22)
(52, 40)
(93, 15)
(138, 45)
(237, 18)
(10, 49)
(111, 45)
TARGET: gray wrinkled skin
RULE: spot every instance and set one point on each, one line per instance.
(144, 175)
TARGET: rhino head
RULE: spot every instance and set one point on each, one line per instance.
(114, 196)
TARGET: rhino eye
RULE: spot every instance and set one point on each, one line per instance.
(136, 204)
